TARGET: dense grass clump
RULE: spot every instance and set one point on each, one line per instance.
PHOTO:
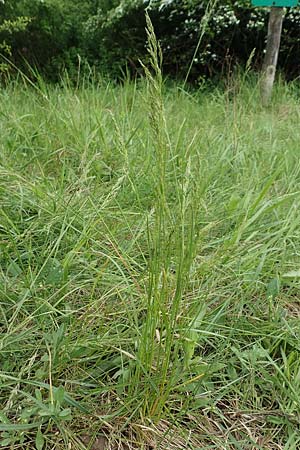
(150, 262)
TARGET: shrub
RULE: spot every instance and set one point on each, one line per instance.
(51, 40)
(198, 37)
(115, 37)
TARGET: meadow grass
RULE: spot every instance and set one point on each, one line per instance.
(149, 273)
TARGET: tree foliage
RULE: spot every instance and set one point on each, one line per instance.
(199, 37)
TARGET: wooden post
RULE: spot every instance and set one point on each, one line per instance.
(271, 55)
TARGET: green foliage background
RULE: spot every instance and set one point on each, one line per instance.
(109, 35)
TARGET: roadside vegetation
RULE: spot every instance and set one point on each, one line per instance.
(200, 38)
(149, 273)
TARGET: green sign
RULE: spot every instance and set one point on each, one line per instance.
(277, 3)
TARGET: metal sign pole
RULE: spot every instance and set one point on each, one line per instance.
(273, 43)
(271, 55)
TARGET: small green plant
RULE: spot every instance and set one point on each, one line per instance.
(39, 414)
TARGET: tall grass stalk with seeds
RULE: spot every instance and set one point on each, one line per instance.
(171, 240)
